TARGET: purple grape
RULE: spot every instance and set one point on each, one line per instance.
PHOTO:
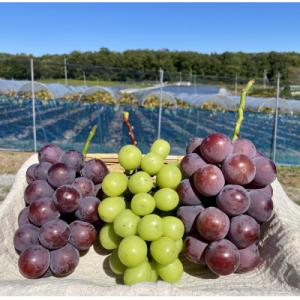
(194, 249)
(215, 148)
(73, 159)
(98, 192)
(244, 146)
(66, 198)
(238, 169)
(94, 169)
(42, 211)
(64, 260)
(48, 273)
(267, 191)
(30, 173)
(41, 170)
(23, 216)
(187, 194)
(188, 215)
(265, 171)
(191, 163)
(88, 209)
(208, 180)
(83, 235)
(59, 174)
(26, 236)
(37, 189)
(54, 234)
(249, 259)
(244, 231)
(50, 153)
(85, 186)
(261, 206)
(258, 154)
(222, 257)
(233, 200)
(34, 262)
(212, 224)
(193, 144)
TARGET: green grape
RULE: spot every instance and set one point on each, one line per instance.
(175, 163)
(164, 250)
(150, 227)
(151, 163)
(142, 204)
(130, 157)
(161, 147)
(108, 238)
(171, 272)
(139, 273)
(114, 184)
(169, 176)
(125, 223)
(153, 273)
(140, 182)
(173, 228)
(179, 245)
(166, 199)
(110, 207)
(132, 251)
(115, 264)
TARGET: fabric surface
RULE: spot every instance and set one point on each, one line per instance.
(278, 275)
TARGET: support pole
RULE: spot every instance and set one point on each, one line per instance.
(33, 104)
(66, 71)
(161, 80)
(276, 118)
(235, 85)
(265, 79)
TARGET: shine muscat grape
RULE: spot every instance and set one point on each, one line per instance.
(61, 214)
(224, 198)
(141, 230)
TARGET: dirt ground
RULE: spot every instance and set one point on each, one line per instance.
(10, 162)
(289, 177)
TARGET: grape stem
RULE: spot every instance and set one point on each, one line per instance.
(130, 128)
(240, 110)
(88, 140)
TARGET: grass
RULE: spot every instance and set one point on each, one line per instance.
(10, 162)
(77, 82)
(289, 177)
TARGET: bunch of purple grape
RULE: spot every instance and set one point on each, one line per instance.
(61, 215)
(225, 197)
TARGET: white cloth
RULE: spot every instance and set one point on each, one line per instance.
(279, 275)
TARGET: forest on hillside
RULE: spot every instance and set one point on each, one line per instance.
(143, 65)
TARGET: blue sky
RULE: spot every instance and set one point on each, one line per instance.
(40, 28)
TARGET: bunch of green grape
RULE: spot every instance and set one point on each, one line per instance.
(139, 207)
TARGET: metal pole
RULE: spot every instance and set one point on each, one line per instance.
(235, 86)
(276, 117)
(33, 104)
(195, 83)
(265, 78)
(66, 71)
(161, 80)
(180, 77)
